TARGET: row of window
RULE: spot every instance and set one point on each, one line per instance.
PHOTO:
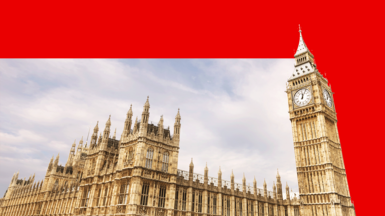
(124, 192)
(149, 157)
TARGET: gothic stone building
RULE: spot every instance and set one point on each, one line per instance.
(138, 174)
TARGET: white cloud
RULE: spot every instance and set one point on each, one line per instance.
(234, 111)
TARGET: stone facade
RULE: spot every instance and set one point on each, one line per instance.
(138, 174)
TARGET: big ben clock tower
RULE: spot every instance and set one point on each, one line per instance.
(322, 180)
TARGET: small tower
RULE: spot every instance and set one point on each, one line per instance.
(265, 188)
(135, 125)
(255, 186)
(274, 191)
(287, 192)
(71, 155)
(94, 136)
(191, 171)
(206, 175)
(160, 128)
(114, 137)
(219, 179)
(232, 180)
(244, 184)
(177, 126)
(279, 186)
(127, 123)
(50, 166)
(145, 117)
(106, 134)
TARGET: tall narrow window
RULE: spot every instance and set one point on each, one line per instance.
(193, 201)
(296, 211)
(105, 196)
(252, 208)
(208, 203)
(303, 136)
(271, 210)
(150, 154)
(214, 204)
(235, 206)
(240, 207)
(123, 195)
(200, 202)
(304, 128)
(176, 199)
(144, 198)
(228, 207)
(184, 199)
(162, 196)
(286, 213)
(56, 184)
(165, 162)
(222, 206)
(315, 131)
(97, 199)
(86, 196)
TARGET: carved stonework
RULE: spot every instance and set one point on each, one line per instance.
(147, 173)
(121, 209)
(160, 212)
(142, 210)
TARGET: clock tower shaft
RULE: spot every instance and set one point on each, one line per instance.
(322, 179)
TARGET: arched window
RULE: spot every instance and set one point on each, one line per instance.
(123, 195)
(150, 154)
(165, 162)
(56, 184)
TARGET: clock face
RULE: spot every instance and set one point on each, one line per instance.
(302, 97)
(327, 98)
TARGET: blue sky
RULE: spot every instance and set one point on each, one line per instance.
(234, 111)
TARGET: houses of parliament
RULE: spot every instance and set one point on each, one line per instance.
(139, 175)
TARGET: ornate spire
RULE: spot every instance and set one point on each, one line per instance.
(178, 115)
(206, 167)
(287, 186)
(73, 145)
(129, 113)
(264, 183)
(220, 172)
(108, 123)
(96, 127)
(191, 163)
(278, 174)
(114, 137)
(302, 48)
(255, 181)
(147, 104)
(232, 174)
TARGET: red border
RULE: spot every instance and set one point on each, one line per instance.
(344, 38)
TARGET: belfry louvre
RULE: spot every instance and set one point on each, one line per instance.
(138, 174)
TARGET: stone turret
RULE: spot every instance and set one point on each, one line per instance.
(94, 136)
(279, 187)
(127, 123)
(264, 188)
(145, 117)
(287, 192)
(106, 134)
(177, 126)
(160, 128)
